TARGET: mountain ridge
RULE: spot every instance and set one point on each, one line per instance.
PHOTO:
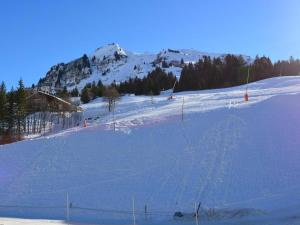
(112, 63)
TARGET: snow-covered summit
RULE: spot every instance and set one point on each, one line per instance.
(108, 51)
(111, 63)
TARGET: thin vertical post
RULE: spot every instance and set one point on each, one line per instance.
(182, 107)
(247, 80)
(248, 75)
(133, 211)
(68, 209)
(146, 211)
(196, 213)
(114, 122)
(280, 70)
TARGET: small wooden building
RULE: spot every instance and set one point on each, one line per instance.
(41, 101)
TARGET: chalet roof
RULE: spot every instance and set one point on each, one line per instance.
(57, 99)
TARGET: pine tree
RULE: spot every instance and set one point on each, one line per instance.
(11, 111)
(85, 61)
(75, 92)
(21, 107)
(100, 89)
(94, 90)
(3, 107)
(182, 61)
(85, 98)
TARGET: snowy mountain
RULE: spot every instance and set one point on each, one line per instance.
(112, 63)
(240, 159)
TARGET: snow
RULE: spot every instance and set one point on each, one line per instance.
(108, 51)
(192, 55)
(13, 221)
(231, 155)
(107, 69)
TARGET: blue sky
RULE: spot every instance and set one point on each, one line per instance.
(36, 34)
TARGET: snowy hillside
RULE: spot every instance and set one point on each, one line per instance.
(242, 159)
(112, 63)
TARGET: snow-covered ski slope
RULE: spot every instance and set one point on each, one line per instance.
(226, 153)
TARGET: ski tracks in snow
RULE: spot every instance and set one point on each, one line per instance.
(217, 143)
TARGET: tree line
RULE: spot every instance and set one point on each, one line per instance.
(155, 82)
(13, 109)
(19, 115)
(232, 70)
(90, 91)
(207, 73)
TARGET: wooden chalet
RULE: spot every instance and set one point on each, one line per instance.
(41, 101)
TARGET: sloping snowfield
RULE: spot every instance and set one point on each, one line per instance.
(239, 159)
